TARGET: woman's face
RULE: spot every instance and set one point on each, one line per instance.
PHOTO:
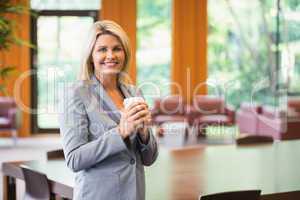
(108, 55)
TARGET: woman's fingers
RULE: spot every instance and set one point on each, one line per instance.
(139, 122)
(138, 115)
(134, 117)
(136, 109)
(136, 104)
(145, 120)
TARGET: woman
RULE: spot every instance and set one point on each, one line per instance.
(106, 144)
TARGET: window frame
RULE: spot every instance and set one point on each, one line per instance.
(35, 129)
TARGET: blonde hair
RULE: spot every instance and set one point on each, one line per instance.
(101, 28)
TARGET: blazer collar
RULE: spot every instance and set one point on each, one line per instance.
(105, 100)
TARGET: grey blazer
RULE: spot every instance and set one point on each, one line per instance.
(107, 168)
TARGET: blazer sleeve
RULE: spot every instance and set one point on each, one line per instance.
(149, 151)
(81, 153)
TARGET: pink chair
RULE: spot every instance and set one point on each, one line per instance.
(210, 111)
(8, 119)
(270, 121)
(278, 124)
(247, 118)
(169, 109)
(294, 108)
(294, 103)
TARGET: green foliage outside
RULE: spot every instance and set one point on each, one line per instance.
(291, 42)
(242, 50)
(239, 53)
(154, 48)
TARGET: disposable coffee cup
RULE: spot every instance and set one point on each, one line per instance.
(128, 101)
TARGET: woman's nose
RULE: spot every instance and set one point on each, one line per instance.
(110, 54)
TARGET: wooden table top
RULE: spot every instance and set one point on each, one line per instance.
(186, 173)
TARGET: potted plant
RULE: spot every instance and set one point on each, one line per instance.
(5, 73)
(10, 116)
(8, 38)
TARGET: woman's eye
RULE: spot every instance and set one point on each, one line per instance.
(102, 50)
(118, 49)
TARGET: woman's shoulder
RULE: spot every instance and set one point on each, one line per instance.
(77, 88)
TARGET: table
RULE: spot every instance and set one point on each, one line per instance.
(60, 177)
(186, 173)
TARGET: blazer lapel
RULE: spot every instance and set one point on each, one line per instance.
(105, 101)
(129, 93)
(125, 90)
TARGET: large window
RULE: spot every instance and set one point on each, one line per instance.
(58, 34)
(290, 47)
(65, 4)
(154, 48)
(245, 50)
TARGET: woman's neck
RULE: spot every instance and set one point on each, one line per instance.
(109, 82)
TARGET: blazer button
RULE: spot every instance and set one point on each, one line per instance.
(132, 161)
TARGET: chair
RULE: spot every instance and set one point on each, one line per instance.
(254, 139)
(55, 154)
(294, 104)
(37, 186)
(278, 123)
(210, 111)
(236, 195)
(169, 109)
(8, 117)
(247, 117)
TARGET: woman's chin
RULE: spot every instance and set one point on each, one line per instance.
(110, 71)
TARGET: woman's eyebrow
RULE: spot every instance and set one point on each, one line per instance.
(117, 45)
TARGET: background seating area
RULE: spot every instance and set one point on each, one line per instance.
(250, 118)
(204, 111)
(169, 109)
(210, 111)
(265, 120)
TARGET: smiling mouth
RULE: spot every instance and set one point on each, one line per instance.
(110, 64)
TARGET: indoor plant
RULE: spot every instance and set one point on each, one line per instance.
(8, 37)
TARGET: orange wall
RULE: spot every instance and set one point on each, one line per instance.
(189, 59)
(18, 56)
(124, 13)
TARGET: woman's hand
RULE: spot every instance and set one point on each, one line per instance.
(133, 118)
